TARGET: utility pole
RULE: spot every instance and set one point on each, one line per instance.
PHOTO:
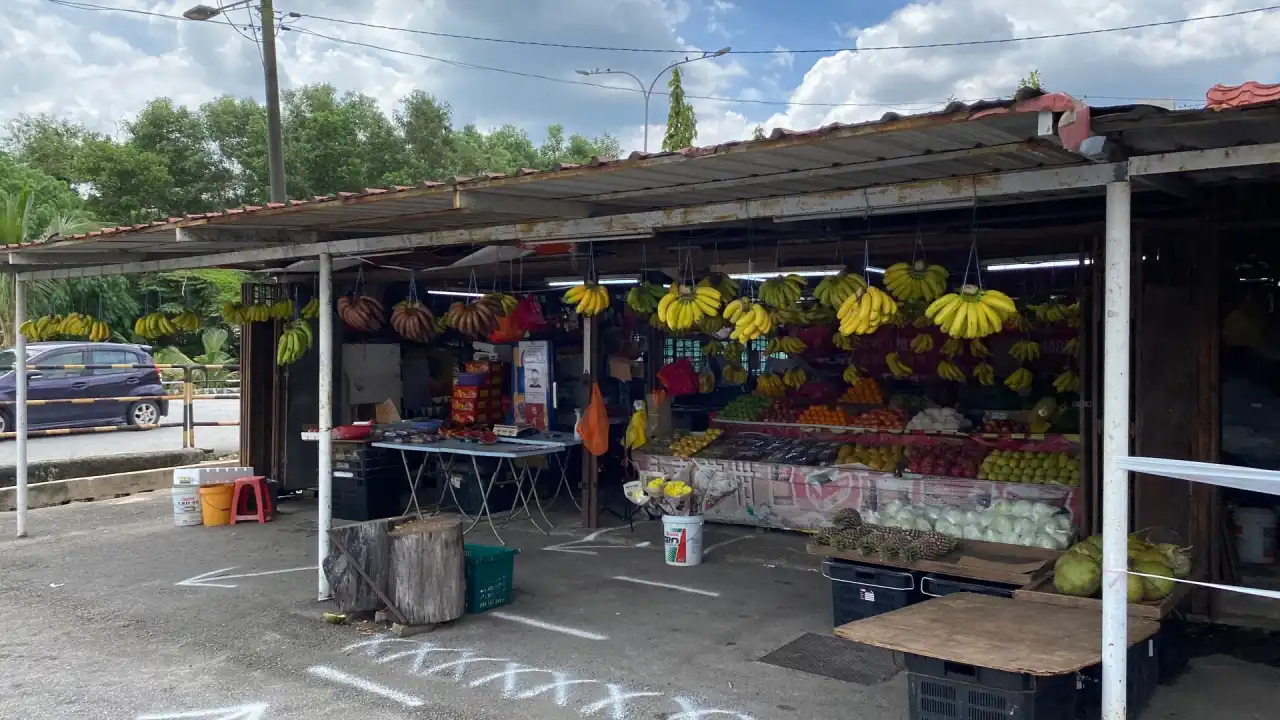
(275, 136)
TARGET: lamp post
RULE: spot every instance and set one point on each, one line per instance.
(275, 141)
(648, 92)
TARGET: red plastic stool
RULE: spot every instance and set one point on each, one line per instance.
(256, 484)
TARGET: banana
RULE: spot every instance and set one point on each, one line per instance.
(897, 367)
(1068, 381)
(1025, 350)
(922, 343)
(915, 281)
(1018, 380)
(850, 375)
(985, 374)
(948, 370)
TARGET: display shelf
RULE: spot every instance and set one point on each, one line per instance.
(1072, 438)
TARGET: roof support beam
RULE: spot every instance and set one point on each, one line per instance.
(525, 207)
(853, 202)
(1215, 159)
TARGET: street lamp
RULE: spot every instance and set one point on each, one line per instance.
(275, 142)
(648, 92)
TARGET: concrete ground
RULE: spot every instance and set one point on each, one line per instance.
(111, 612)
(219, 439)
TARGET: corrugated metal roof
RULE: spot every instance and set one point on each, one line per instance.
(960, 140)
(1222, 97)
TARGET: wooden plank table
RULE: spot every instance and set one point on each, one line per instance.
(994, 632)
(1043, 591)
(973, 559)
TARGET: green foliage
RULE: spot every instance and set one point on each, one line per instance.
(1032, 80)
(214, 350)
(682, 122)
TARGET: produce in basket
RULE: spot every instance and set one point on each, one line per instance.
(880, 419)
(823, 415)
(864, 392)
(938, 420)
(746, 407)
(1027, 466)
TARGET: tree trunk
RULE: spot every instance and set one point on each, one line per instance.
(370, 546)
(428, 581)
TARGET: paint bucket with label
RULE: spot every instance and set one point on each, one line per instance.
(186, 499)
(215, 503)
(683, 539)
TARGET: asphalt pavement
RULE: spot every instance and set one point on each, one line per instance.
(219, 439)
(112, 612)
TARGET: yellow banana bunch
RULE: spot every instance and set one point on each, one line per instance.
(835, 289)
(683, 306)
(281, 309)
(233, 313)
(1019, 322)
(643, 298)
(795, 378)
(311, 310)
(985, 374)
(953, 347)
(73, 325)
(916, 281)
(506, 301)
(295, 341)
(1018, 380)
(255, 313)
(153, 326)
(636, 428)
(1068, 381)
(727, 286)
(844, 342)
(99, 332)
(45, 327)
(750, 320)
(1072, 347)
(782, 292)
(789, 345)
(713, 348)
(850, 374)
(865, 311)
(588, 299)
(979, 349)
(186, 320)
(1072, 314)
(971, 313)
(897, 367)
(1025, 350)
(922, 343)
(948, 370)
(1050, 311)
(734, 374)
(770, 385)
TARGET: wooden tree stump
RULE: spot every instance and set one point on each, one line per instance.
(370, 546)
(428, 574)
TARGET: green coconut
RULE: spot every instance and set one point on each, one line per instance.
(1136, 589)
(1147, 556)
(1178, 558)
(1152, 588)
(1077, 574)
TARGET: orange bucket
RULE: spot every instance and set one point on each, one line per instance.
(215, 503)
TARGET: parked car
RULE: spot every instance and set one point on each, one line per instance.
(68, 383)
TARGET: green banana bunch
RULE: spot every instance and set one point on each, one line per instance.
(295, 341)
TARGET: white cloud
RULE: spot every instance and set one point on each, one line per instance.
(783, 56)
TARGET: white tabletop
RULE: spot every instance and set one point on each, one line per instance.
(548, 439)
(455, 447)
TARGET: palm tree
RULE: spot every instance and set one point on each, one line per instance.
(214, 341)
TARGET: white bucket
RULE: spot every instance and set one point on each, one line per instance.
(186, 499)
(683, 539)
(1256, 535)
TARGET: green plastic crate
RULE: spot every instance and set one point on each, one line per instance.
(490, 570)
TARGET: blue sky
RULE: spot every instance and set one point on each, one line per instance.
(101, 67)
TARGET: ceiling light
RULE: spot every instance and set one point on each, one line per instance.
(605, 280)
(748, 271)
(1048, 264)
(874, 269)
(455, 293)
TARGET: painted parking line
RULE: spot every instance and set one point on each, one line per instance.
(668, 586)
(544, 625)
(369, 686)
(716, 546)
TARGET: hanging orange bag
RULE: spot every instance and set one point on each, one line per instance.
(593, 427)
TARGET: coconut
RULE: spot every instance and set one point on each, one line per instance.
(1076, 574)
(1152, 588)
(1136, 590)
(1178, 558)
(1087, 549)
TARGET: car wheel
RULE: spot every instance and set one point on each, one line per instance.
(145, 412)
(5, 424)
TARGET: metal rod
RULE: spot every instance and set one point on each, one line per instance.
(1115, 445)
(188, 410)
(20, 395)
(325, 421)
(275, 141)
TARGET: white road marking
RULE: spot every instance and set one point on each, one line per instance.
(600, 532)
(616, 702)
(243, 712)
(579, 547)
(715, 546)
(543, 625)
(668, 586)
(369, 686)
(646, 543)
(212, 579)
(129, 500)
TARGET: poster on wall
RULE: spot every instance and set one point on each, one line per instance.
(531, 401)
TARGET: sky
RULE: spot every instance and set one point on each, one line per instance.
(100, 67)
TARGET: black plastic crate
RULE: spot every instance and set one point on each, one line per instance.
(946, 698)
(358, 498)
(1143, 671)
(861, 591)
(941, 585)
(467, 493)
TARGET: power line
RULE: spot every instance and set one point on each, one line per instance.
(923, 46)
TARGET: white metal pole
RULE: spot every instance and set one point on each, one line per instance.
(1115, 445)
(325, 422)
(20, 399)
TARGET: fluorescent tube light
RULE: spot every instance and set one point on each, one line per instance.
(455, 293)
(606, 280)
(874, 269)
(807, 271)
(1035, 265)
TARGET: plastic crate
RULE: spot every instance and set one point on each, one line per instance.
(360, 498)
(490, 574)
(1144, 675)
(861, 591)
(942, 690)
(941, 585)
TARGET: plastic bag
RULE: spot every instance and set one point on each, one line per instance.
(508, 330)
(528, 314)
(679, 378)
(593, 427)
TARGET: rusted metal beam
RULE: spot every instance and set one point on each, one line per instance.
(1195, 160)
(524, 207)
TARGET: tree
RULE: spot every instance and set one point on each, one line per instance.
(48, 144)
(198, 180)
(214, 350)
(237, 127)
(758, 133)
(682, 122)
(426, 124)
(337, 142)
(1032, 80)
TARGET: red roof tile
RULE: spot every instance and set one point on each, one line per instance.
(1225, 97)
